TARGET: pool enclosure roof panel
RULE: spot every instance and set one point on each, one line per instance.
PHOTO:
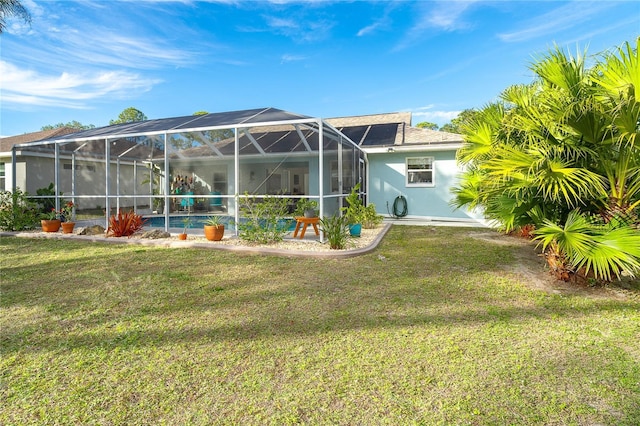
(230, 119)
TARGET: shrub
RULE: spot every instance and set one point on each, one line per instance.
(47, 204)
(370, 218)
(336, 231)
(354, 211)
(262, 219)
(125, 224)
(17, 213)
(303, 205)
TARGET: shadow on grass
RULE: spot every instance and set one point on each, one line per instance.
(121, 296)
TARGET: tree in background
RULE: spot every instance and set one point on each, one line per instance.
(561, 155)
(72, 124)
(129, 115)
(192, 139)
(10, 8)
(427, 125)
(455, 125)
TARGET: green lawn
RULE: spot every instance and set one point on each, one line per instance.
(431, 328)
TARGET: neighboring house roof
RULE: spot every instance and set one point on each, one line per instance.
(7, 143)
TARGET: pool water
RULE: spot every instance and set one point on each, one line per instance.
(198, 222)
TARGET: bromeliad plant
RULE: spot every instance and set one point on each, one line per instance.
(125, 224)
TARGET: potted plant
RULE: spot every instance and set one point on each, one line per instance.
(66, 216)
(306, 208)
(50, 221)
(213, 228)
(186, 221)
(354, 211)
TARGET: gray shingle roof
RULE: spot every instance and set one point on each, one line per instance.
(7, 143)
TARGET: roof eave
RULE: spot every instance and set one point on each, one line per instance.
(412, 148)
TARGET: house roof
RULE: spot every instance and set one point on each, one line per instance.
(391, 129)
(370, 132)
(7, 143)
(229, 119)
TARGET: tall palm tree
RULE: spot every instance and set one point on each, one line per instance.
(561, 146)
(12, 8)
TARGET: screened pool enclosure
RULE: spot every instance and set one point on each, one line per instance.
(199, 165)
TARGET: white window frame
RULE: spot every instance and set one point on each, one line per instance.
(429, 162)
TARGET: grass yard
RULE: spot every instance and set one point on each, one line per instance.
(434, 327)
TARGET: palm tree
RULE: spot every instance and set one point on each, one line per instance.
(561, 146)
(12, 8)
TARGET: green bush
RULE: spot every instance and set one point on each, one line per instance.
(263, 219)
(370, 218)
(17, 213)
(47, 204)
(354, 211)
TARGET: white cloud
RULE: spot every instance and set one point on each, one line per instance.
(439, 16)
(291, 58)
(438, 117)
(369, 29)
(447, 16)
(564, 17)
(67, 90)
(300, 28)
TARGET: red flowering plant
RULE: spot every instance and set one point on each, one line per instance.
(64, 214)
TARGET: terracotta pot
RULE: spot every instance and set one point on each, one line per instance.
(182, 236)
(214, 232)
(50, 225)
(67, 227)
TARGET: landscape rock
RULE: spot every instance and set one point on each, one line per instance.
(155, 234)
(92, 230)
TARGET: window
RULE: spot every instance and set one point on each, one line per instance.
(88, 167)
(2, 188)
(420, 171)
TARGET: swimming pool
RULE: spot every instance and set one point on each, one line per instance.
(198, 222)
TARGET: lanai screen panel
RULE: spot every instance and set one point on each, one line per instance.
(128, 165)
(201, 178)
(278, 160)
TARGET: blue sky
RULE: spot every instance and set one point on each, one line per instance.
(89, 60)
